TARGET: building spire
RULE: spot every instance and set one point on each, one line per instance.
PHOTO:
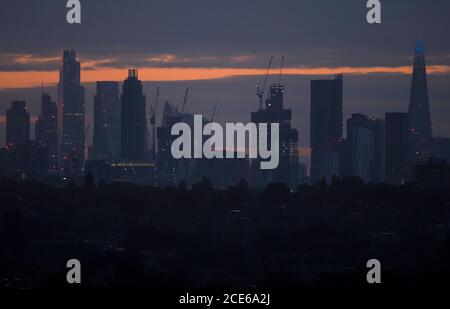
(420, 128)
(419, 46)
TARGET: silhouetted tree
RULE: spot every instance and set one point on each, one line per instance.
(277, 194)
(182, 186)
(89, 185)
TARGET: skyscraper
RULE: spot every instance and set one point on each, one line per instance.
(17, 124)
(327, 103)
(24, 156)
(133, 120)
(172, 171)
(274, 112)
(71, 120)
(107, 134)
(441, 148)
(361, 146)
(46, 130)
(377, 172)
(365, 138)
(396, 147)
(420, 131)
(332, 159)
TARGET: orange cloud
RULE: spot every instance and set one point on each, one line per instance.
(93, 64)
(31, 59)
(25, 79)
(165, 58)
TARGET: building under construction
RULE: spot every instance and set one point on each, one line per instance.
(273, 111)
(172, 171)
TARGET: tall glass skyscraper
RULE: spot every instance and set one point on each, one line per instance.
(420, 132)
(46, 130)
(71, 122)
(107, 116)
(327, 104)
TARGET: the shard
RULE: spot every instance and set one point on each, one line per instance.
(420, 132)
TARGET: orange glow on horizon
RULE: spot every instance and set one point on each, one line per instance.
(28, 79)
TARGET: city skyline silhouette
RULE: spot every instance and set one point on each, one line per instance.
(329, 165)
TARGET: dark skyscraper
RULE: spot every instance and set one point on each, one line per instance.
(365, 138)
(441, 148)
(17, 124)
(377, 172)
(396, 147)
(420, 131)
(361, 146)
(71, 105)
(274, 112)
(25, 157)
(327, 103)
(107, 134)
(47, 130)
(134, 125)
(172, 171)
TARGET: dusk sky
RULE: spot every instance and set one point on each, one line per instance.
(221, 48)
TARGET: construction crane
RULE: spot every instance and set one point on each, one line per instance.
(153, 121)
(281, 70)
(214, 112)
(260, 91)
(186, 94)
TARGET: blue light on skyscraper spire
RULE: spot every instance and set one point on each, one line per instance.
(419, 47)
